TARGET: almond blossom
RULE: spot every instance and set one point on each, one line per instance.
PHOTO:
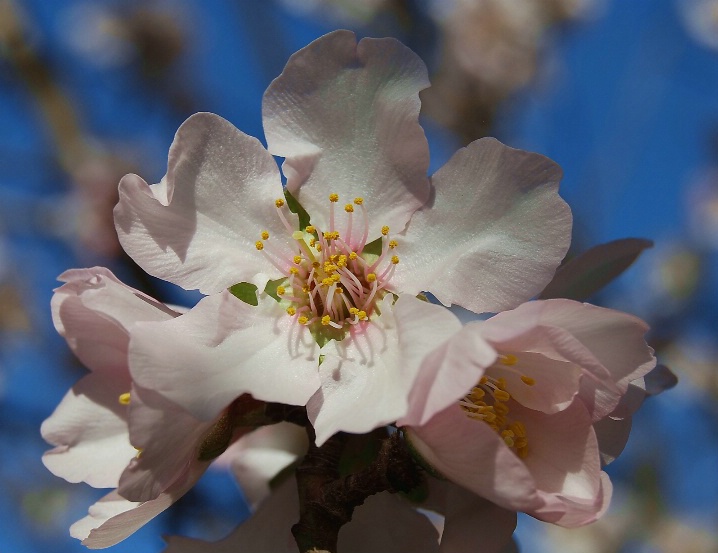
(336, 308)
(522, 435)
(111, 433)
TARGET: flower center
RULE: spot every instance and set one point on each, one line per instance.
(489, 401)
(332, 279)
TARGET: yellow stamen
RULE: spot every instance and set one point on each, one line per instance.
(303, 320)
(393, 244)
(371, 277)
(385, 230)
(291, 311)
(353, 255)
(358, 201)
(297, 259)
(259, 245)
(310, 229)
(527, 380)
(508, 359)
(326, 319)
(334, 198)
(265, 235)
(293, 270)
(124, 399)
(502, 395)
(362, 315)
(349, 208)
(395, 259)
(279, 202)
(281, 290)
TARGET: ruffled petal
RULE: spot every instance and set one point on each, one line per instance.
(471, 454)
(571, 512)
(345, 117)
(89, 430)
(368, 376)
(224, 348)
(197, 228)
(495, 233)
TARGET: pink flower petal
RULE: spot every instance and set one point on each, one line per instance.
(571, 512)
(447, 373)
(224, 348)
(471, 454)
(345, 117)
(367, 377)
(495, 233)
(113, 518)
(197, 228)
(89, 430)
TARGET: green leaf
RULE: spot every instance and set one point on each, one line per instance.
(585, 274)
(295, 207)
(373, 247)
(246, 292)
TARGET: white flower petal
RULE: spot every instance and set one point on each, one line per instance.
(224, 348)
(197, 228)
(345, 117)
(494, 234)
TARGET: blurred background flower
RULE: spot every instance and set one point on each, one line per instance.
(621, 94)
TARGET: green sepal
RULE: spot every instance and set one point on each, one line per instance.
(295, 207)
(246, 292)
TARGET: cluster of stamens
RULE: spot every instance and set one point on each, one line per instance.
(330, 280)
(488, 401)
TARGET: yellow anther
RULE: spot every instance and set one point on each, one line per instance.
(501, 408)
(334, 198)
(508, 359)
(327, 281)
(279, 202)
(336, 277)
(501, 383)
(527, 380)
(291, 311)
(124, 399)
(489, 417)
(353, 310)
(483, 380)
(303, 320)
(502, 395)
(339, 290)
(265, 235)
(326, 319)
(509, 441)
(312, 241)
(371, 277)
(362, 315)
(477, 394)
(319, 247)
(333, 257)
(395, 259)
(342, 261)
(353, 255)
(281, 290)
(522, 452)
(349, 208)
(507, 434)
(316, 264)
(329, 267)
(310, 229)
(297, 259)
(518, 429)
(385, 230)
(358, 201)
(393, 244)
(293, 270)
(305, 289)
(259, 245)
(521, 442)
